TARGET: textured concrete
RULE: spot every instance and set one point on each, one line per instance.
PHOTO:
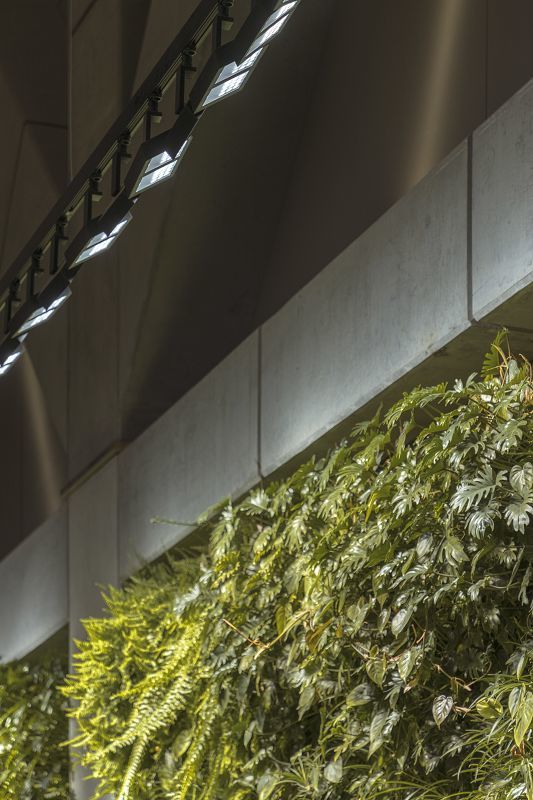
(392, 298)
(93, 565)
(33, 589)
(93, 558)
(202, 450)
(502, 204)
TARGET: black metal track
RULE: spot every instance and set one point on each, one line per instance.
(210, 16)
(194, 29)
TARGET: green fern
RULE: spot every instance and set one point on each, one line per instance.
(33, 725)
(355, 630)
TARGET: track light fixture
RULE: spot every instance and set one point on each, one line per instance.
(100, 234)
(232, 77)
(226, 72)
(158, 158)
(45, 305)
(10, 352)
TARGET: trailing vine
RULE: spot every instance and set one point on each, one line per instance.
(358, 630)
(33, 725)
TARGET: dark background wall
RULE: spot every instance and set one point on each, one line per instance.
(350, 108)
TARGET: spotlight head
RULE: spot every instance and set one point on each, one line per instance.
(100, 234)
(10, 352)
(229, 68)
(45, 305)
(158, 158)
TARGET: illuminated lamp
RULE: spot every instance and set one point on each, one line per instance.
(10, 352)
(230, 78)
(45, 305)
(159, 157)
(100, 234)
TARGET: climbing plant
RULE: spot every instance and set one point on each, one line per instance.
(358, 630)
(33, 725)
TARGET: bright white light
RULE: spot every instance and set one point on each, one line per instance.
(158, 161)
(183, 147)
(269, 33)
(279, 13)
(231, 69)
(93, 250)
(156, 176)
(223, 89)
(100, 237)
(231, 78)
(102, 241)
(120, 227)
(43, 314)
(6, 365)
(160, 167)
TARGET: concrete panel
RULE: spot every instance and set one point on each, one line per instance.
(33, 589)
(396, 295)
(502, 204)
(92, 545)
(200, 451)
(93, 563)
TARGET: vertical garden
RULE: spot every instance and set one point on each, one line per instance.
(359, 630)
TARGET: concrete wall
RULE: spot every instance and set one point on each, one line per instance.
(273, 190)
(34, 589)
(416, 298)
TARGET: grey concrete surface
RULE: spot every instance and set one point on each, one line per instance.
(273, 189)
(33, 589)
(92, 538)
(178, 292)
(396, 295)
(502, 204)
(202, 450)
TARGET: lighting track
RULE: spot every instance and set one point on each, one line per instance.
(72, 234)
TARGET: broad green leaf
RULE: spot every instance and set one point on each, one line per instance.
(489, 708)
(376, 668)
(442, 705)
(523, 718)
(333, 771)
(359, 696)
(406, 663)
(306, 700)
(379, 720)
(401, 620)
(357, 612)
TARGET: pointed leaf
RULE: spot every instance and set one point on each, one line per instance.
(442, 706)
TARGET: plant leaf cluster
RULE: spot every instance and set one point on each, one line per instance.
(33, 725)
(358, 630)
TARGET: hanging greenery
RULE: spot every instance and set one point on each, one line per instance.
(359, 630)
(33, 724)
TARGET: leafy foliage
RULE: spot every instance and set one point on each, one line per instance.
(33, 724)
(359, 630)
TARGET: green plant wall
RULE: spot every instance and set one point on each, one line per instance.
(33, 725)
(359, 630)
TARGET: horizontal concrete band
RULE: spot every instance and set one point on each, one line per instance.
(401, 303)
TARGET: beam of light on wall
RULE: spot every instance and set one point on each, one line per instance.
(44, 444)
(43, 313)
(102, 241)
(233, 77)
(434, 97)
